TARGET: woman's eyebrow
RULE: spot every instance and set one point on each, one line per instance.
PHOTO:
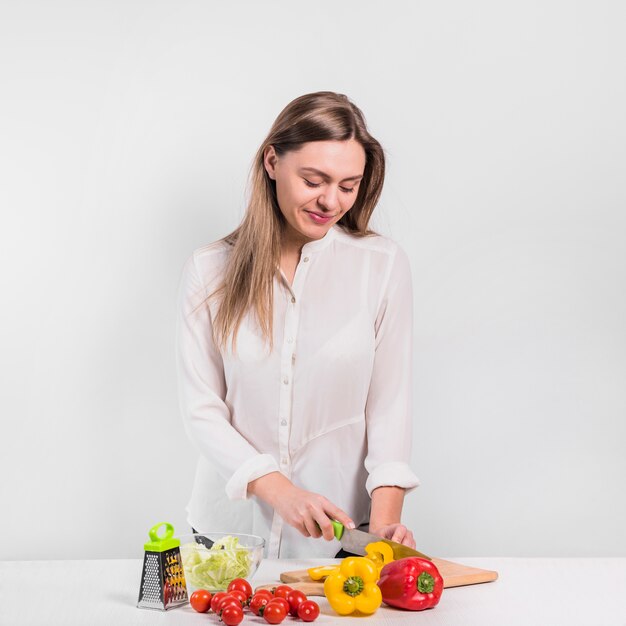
(320, 173)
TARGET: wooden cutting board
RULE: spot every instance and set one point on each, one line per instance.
(454, 575)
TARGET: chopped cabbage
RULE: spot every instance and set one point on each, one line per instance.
(214, 568)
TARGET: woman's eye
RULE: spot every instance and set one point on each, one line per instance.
(310, 184)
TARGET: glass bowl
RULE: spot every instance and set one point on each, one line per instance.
(212, 560)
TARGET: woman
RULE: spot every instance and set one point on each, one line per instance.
(294, 346)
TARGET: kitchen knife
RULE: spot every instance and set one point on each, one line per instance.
(354, 541)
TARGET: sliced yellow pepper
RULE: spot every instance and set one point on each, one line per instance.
(379, 553)
(317, 573)
(352, 587)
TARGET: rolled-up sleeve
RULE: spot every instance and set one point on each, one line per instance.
(202, 392)
(388, 410)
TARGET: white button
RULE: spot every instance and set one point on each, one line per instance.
(293, 299)
(306, 259)
(289, 340)
(286, 381)
(283, 461)
(283, 422)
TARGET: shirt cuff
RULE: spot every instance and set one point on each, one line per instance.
(395, 474)
(257, 466)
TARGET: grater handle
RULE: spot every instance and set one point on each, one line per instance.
(154, 531)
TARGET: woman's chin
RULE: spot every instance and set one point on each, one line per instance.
(308, 230)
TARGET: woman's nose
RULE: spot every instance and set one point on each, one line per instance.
(329, 199)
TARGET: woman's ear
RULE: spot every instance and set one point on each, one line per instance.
(269, 161)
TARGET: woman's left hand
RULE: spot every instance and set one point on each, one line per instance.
(395, 532)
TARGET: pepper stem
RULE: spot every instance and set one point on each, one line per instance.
(353, 586)
(425, 583)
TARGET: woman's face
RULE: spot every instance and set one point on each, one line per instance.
(315, 185)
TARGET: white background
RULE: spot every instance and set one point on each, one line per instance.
(127, 130)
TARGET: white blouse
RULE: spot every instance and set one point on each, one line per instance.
(329, 407)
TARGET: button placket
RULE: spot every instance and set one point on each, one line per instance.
(286, 392)
(287, 361)
(292, 316)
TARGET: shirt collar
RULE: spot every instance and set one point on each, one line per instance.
(320, 244)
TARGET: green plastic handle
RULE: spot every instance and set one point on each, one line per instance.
(154, 531)
(161, 544)
(338, 528)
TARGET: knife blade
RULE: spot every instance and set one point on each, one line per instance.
(354, 541)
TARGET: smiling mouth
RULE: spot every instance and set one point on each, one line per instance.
(324, 217)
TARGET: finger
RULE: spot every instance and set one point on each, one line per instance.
(319, 531)
(310, 520)
(325, 526)
(302, 529)
(408, 539)
(312, 527)
(399, 533)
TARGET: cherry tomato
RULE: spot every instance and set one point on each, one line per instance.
(216, 598)
(281, 591)
(274, 612)
(295, 599)
(232, 615)
(200, 600)
(243, 585)
(283, 602)
(240, 595)
(227, 600)
(308, 611)
(259, 600)
(264, 592)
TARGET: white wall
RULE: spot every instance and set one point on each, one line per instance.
(126, 133)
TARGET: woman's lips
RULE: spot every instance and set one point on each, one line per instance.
(319, 219)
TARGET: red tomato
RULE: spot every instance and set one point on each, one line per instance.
(243, 585)
(232, 615)
(308, 611)
(240, 595)
(274, 612)
(264, 592)
(281, 591)
(295, 599)
(227, 600)
(283, 602)
(216, 598)
(259, 600)
(200, 600)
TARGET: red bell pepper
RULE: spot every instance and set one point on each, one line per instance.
(412, 583)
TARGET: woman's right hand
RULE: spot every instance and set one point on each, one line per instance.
(308, 512)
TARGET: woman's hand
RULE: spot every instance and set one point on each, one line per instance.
(308, 512)
(396, 532)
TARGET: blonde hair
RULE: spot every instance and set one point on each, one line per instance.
(256, 243)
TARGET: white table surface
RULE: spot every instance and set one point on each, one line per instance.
(529, 592)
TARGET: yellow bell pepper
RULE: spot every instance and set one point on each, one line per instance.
(352, 587)
(380, 553)
(317, 573)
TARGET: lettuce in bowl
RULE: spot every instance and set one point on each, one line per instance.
(228, 557)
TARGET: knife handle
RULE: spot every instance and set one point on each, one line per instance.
(337, 528)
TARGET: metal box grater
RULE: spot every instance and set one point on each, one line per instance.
(163, 583)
